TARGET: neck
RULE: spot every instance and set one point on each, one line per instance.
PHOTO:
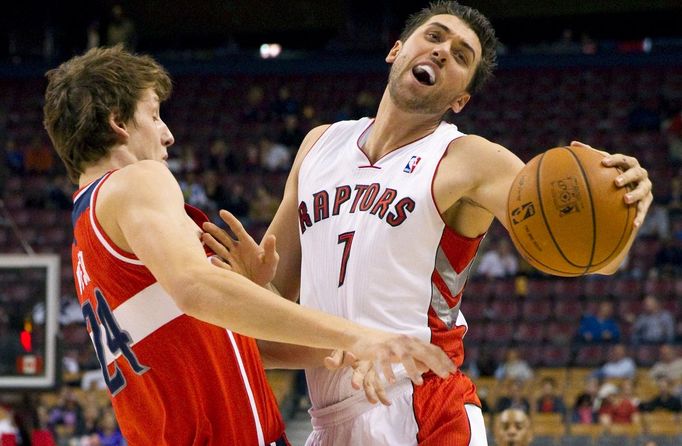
(117, 158)
(394, 128)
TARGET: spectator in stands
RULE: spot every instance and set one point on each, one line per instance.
(657, 223)
(59, 193)
(193, 191)
(91, 420)
(365, 105)
(41, 435)
(655, 324)
(501, 261)
(585, 403)
(237, 203)
(109, 433)
(263, 206)
(513, 428)
(548, 400)
(619, 365)
(66, 418)
(14, 157)
(221, 158)
(121, 29)
(600, 327)
(672, 129)
(215, 192)
(616, 409)
(668, 260)
(513, 397)
(275, 157)
(514, 367)
(9, 432)
(627, 387)
(676, 190)
(252, 158)
(39, 157)
(255, 108)
(485, 363)
(483, 395)
(284, 104)
(669, 364)
(665, 399)
(292, 134)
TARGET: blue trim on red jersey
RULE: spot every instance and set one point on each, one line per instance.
(82, 203)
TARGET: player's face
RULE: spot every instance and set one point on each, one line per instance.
(513, 429)
(149, 136)
(432, 68)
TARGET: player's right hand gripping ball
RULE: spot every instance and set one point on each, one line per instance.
(566, 215)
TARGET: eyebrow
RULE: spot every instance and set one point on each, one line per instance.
(463, 42)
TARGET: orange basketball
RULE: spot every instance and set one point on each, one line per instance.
(566, 215)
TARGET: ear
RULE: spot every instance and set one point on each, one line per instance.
(394, 51)
(118, 126)
(459, 102)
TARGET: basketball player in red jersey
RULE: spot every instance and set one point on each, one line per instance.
(173, 333)
(380, 222)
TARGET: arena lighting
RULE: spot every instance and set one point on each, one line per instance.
(270, 50)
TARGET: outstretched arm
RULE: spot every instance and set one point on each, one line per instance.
(152, 224)
(490, 170)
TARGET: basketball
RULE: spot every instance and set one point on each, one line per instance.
(566, 215)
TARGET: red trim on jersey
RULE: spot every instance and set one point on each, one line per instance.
(439, 411)
(459, 251)
(440, 284)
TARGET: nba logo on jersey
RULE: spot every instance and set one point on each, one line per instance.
(412, 164)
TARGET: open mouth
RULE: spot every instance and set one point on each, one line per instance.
(424, 74)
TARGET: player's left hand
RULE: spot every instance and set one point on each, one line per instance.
(634, 177)
(241, 255)
(364, 375)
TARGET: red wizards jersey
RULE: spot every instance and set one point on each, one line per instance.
(174, 380)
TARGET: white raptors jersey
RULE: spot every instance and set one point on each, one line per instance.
(375, 249)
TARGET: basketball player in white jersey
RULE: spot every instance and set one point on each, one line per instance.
(380, 222)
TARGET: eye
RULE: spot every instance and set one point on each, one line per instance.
(433, 36)
(459, 55)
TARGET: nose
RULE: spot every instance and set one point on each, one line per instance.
(439, 54)
(167, 138)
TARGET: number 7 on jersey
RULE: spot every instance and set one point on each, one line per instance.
(347, 239)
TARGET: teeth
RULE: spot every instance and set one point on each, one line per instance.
(427, 69)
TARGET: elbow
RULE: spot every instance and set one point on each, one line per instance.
(183, 289)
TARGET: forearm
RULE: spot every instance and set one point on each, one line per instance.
(276, 355)
(229, 300)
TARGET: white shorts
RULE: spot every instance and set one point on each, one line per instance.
(355, 422)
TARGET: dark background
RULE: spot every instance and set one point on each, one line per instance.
(317, 25)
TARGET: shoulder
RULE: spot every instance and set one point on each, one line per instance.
(313, 135)
(308, 142)
(140, 182)
(476, 151)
